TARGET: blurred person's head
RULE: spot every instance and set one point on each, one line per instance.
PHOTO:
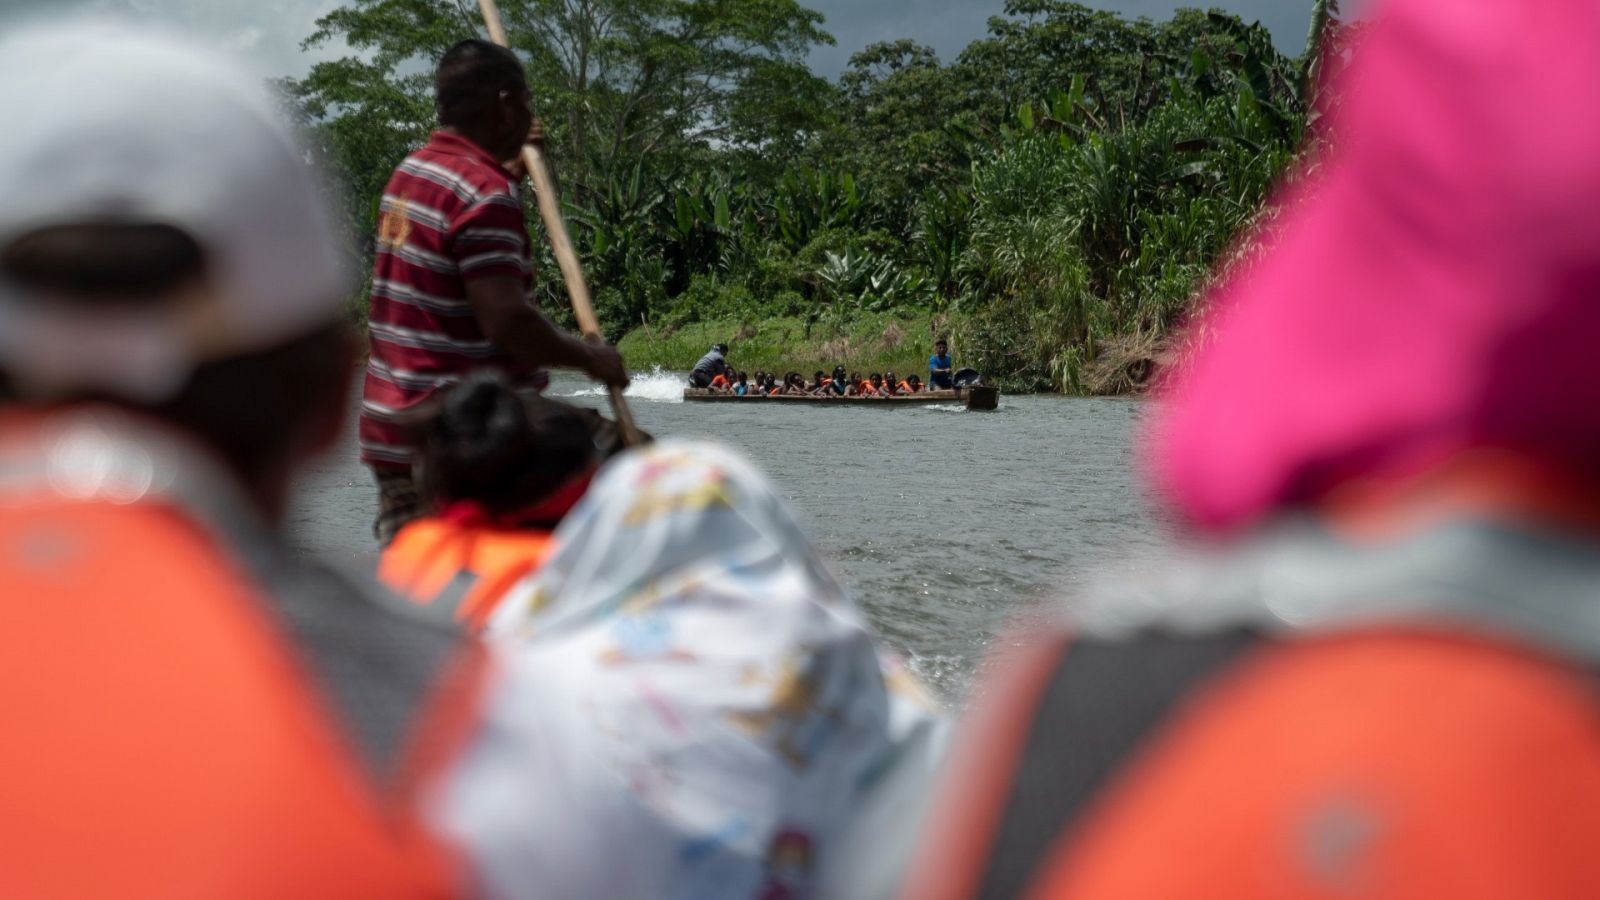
(940, 347)
(196, 281)
(482, 442)
(481, 91)
(1427, 297)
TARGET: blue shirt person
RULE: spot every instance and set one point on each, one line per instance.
(940, 368)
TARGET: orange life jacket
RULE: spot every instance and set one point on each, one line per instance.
(166, 735)
(464, 569)
(1438, 741)
(866, 388)
(721, 381)
(906, 388)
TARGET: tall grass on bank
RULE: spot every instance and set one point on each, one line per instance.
(871, 342)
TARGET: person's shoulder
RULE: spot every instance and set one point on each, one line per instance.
(472, 179)
(378, 659)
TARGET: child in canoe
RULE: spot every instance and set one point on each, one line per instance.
(498, 470)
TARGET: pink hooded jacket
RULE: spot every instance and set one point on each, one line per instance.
(1434, 287)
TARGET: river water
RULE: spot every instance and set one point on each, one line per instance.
(950, 527)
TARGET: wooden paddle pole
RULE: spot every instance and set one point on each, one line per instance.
(544, 190)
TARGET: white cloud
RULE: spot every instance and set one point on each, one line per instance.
(263, 33)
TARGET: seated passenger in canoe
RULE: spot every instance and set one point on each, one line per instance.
(839, 383)
(891, 384)
(498, 470)
(721, 382)
(741, 387)
(853, 385)
(912, 384)
(732, 735)
(818, 385)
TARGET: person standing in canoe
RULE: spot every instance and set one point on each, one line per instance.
(453, 270)
(710, 366)
(940, 368)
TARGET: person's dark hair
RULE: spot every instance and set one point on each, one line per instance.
(720, 348)
(251, 408)
(877, 375)
(482, 441)
(469, 79)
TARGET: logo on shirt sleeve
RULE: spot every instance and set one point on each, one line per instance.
(394, 225)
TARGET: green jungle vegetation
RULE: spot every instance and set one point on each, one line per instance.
(866, 342)
(1052, 198)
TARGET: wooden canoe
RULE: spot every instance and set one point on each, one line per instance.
(976, 397)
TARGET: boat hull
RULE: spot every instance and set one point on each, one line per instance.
(977, 397)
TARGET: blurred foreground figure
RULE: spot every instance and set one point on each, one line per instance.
(713, 718)
(189, 712)
(1382, 683)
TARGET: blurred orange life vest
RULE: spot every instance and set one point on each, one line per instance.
(177, 697)
(463, 570)
(1411, 714)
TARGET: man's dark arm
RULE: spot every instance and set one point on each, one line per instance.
(525, 334)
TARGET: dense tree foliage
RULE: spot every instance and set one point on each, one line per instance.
(1053, 196)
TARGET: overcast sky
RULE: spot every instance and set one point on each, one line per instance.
(269, 32)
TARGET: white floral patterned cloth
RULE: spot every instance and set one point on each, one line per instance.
(694, 708)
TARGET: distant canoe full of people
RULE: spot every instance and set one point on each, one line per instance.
(714, 379)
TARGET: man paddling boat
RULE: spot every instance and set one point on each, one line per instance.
(453, 270)
(713, 364)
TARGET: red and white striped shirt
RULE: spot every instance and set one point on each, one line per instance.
(451, 214)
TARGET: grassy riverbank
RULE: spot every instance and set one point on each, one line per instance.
(871, 342)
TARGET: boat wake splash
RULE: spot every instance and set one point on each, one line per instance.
(655, 386)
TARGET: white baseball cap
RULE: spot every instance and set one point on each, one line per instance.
(107, 123)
